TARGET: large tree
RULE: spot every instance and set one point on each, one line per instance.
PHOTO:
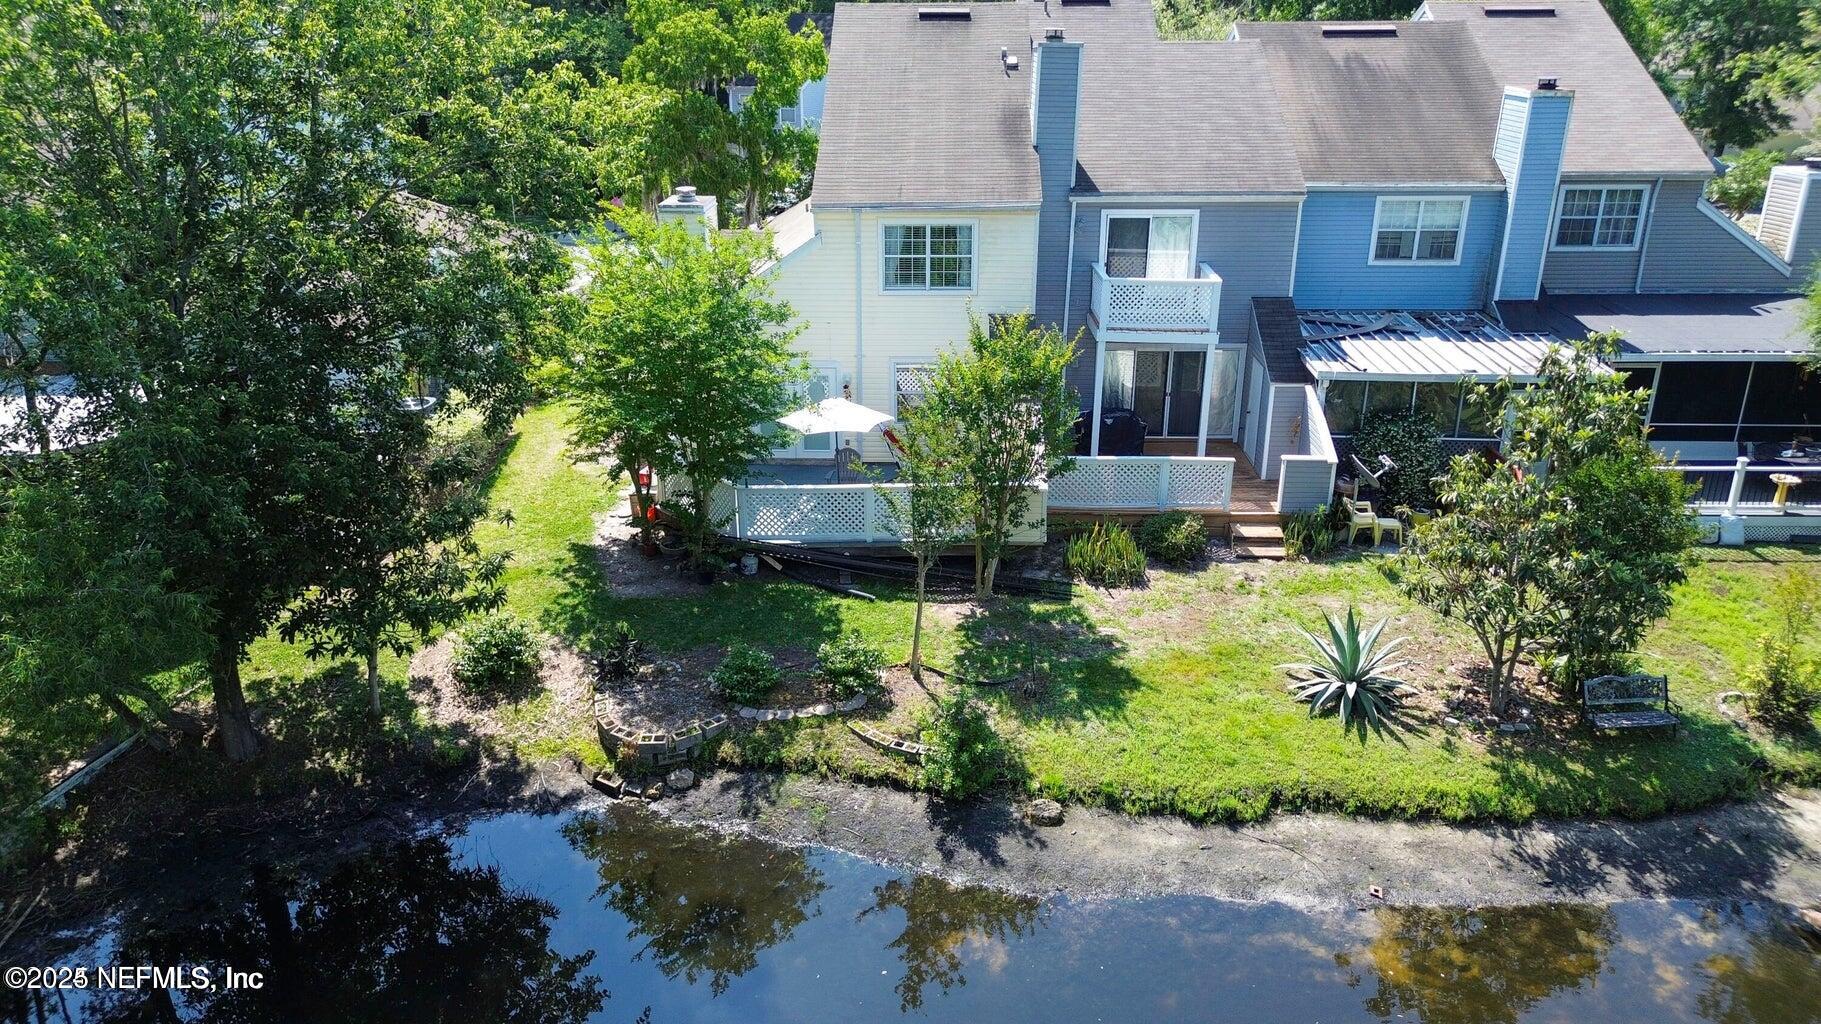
(682, 355)
(259, 287)
(1737, 63)
(1015, 414)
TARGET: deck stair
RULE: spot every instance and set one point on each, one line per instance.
(1258, 540)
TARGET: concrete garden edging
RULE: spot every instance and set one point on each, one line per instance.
(909, 749)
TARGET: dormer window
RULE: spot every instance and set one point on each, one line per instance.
(1418, 229)
(1600, 217)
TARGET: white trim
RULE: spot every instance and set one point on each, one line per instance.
(1777, 263)
(1561, 194)
(1204, 199)
(1068, 269)
(973, 277)
(1194, 215)
(1392, 186)
(1460, 235)
(934, 205)
(1650, 216)
(1207, 398)
(1510, 190)
(1628, 361)
(859, 307)
(1100, 369)
(1795, 226)
(1296, 243)
(892, 367)
(1264, 447)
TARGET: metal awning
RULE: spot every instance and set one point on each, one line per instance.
(1416, 346)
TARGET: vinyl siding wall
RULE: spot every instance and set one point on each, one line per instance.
(1286, 435)
(1248, 243)
(1333, 259)
(907, 327)
(1058, 91)
(1540, 121)
(1687, 251)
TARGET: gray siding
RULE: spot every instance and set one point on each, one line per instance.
(1249, 244)
(1565, 271)
(1305, 485)
(1058, 99)
(1686, 251)
(1286, 416)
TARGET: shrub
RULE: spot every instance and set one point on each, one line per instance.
(1106, 555)
(1309, 533)
(746, 675)
(619, 660)
(965, 755)
(1352, 674)
(1409, 440)
(1175, 538)
(849, 665)
(1784, 688)
(497, 656)
(1741, 188)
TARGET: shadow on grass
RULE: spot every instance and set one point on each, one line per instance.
(1051, 653)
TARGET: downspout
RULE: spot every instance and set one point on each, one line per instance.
(859, 315)
(1650, 216)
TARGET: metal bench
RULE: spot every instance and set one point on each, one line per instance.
(1629, 702)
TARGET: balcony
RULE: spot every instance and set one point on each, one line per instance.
(1155, 309)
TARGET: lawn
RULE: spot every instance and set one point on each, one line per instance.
(1166, 699)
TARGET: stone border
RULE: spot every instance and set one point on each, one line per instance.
(667, 747)
(821, 710)
(889, 743)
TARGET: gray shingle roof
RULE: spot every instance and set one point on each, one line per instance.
(922, 112)
(1280, 336)
(1723, 324)
(1170, 117)
(1419, 106)
(1622, 122)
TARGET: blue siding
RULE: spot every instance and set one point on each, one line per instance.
(1333, 267)
(1538, 122)
(1057, 97)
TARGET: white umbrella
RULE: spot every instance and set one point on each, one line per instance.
(835, 416)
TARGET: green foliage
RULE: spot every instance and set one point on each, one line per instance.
(682, 352)
(930, 502)
(1783, 689)
(1309, 533)
(1736, 64)
(1741, 188)
(966, 755)
(849, 665)
(1014, 413)
(1352, 675)
(1412, 442)
(1106, 555)
(1209, 19)
(745, 675)
(622, 655)
(497, 656)
(1174, 538)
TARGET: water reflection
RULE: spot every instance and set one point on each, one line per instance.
(705, 904)
(1481, 966)
(407, 934)
(939, 920)
(1758, 984)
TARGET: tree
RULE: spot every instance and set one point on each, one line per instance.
(403, 580)
(695, 52)
(683, 353)
(1491, 562)
(259, 287)
(928, 501)
(1741, 189)
(1014, 414)
(1736, 63)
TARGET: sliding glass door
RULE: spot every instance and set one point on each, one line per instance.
(1163, 387)
(1150, 245)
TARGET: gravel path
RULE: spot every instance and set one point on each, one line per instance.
(1764, 850)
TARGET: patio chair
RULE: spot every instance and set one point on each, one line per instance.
(849, 469)
(1363, 518)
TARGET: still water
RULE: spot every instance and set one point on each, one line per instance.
(622, 916)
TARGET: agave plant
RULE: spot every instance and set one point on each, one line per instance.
(1353, 674)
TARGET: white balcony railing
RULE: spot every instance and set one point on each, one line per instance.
(1144, 483)
(1148, 305)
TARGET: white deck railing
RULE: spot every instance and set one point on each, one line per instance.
(827, 513)
(1739, 486)
(1143, 305)
(1144, 483)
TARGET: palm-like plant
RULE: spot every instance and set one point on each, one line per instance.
(1353, 674)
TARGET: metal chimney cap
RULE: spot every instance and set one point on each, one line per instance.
(686, 193)
(1546, 84)
(1052, 33)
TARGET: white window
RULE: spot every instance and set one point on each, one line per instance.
(1600, 217)
(1144, 244)
(928, 257)
(1418, 229)
(911, 381)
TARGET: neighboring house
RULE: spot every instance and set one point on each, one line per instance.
(1260, 240)
(807, 113)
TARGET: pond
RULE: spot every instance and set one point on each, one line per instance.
(623, 916)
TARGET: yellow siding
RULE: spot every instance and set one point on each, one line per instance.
(899, 327)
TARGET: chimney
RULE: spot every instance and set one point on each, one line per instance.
(697, 213)
(1055, 106)
(1532, 135)
(1790, 225)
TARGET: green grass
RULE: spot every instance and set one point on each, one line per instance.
(1166, 699)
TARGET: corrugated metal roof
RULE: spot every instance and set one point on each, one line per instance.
(1399, 344)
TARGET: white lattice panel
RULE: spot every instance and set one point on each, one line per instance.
(803, 513)
(721, 506)
(1107, 482)
(1200, 484)
(1157, 304)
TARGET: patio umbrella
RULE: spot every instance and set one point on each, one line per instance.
(835, 416)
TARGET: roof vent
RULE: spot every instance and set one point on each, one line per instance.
(1358, 31)
(1520, 12)
(1087, 3)
(1006, 57)
(944, 14)
(1545, 85)
(1052, 33)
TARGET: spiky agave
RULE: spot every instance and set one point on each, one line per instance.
(1353, 674)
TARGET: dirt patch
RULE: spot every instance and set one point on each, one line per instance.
(563, 675)
(625, 568)
(669, 691)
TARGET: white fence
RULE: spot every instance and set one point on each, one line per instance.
(1144, 483)
(1742, 488)
(828, 513)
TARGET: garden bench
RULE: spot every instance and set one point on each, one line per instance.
(1629, 702)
